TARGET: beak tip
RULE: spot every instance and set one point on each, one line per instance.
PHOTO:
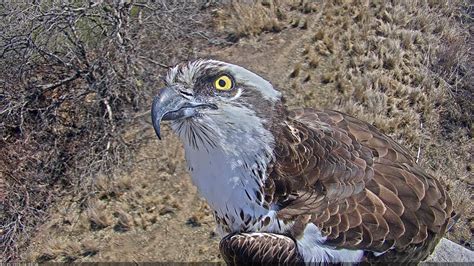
(158, 133)
(156, 116)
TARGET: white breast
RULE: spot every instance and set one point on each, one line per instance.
(227, 186)
(229, 171)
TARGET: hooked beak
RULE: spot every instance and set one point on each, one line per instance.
(171, 105)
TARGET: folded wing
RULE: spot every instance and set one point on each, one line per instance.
(361, 188)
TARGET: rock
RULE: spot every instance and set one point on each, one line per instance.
(166, 210)
(448, 251)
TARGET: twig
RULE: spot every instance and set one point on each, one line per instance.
(142, 114)
(59, 83)
(154, 62)
(418, 154)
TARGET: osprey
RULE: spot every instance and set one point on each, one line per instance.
(299, 185)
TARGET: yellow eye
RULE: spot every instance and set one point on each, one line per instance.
(223, 83)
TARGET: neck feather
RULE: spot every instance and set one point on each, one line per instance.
(228, 162)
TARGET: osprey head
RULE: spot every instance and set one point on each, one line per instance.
(208, 100)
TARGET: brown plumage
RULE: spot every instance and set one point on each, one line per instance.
(361, 188)
(260, 248)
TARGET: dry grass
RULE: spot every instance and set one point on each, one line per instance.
(65, 249)
(250, 18)
(98, 217)
(124, 221)
(143, 222)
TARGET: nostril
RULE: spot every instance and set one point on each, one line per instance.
(185, 93)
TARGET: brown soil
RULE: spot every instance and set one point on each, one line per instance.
(153, 212)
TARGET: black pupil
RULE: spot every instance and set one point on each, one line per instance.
(222, 83)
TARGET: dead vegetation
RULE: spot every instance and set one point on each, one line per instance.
(67, 250)
(74, 77)
(250, 18)
(97, 216)
(151, 218)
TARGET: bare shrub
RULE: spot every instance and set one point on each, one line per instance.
(73, 76)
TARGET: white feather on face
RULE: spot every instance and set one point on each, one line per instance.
(252, 80)
(187, 75)
(227, 149)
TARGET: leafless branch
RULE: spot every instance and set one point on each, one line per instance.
(74, 76)
(60, 82)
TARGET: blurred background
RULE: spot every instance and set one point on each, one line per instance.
(82, 174)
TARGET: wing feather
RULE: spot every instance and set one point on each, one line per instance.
(361, 188)
(259, 249)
